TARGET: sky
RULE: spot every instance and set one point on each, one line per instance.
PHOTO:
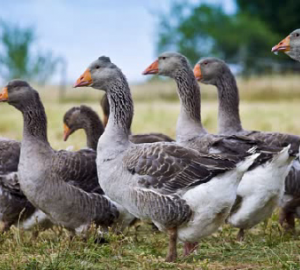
(81, 31)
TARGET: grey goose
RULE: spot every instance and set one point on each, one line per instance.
(290, 45)
(62, 184)
(185, 193)
(215, 72)
(269, 172)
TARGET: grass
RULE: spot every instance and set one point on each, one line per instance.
(266, 246)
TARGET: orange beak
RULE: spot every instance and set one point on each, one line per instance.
(84, 80)
(4, 95)
(67, 132)
(152, 69)
(197, 72)
(283, 45)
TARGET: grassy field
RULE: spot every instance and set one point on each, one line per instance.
(265, 247)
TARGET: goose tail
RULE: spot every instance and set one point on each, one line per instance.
(283, 157)
(244, 165)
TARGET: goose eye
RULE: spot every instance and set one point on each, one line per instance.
(97, 67)
(297, 34)
(163, 58)
(205, 63)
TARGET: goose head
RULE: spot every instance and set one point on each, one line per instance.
(167, 64)
(209, 69)
(73, 120)
(18, 93)
(99, 74)
(290, 45)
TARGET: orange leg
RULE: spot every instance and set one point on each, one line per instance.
(189, 248)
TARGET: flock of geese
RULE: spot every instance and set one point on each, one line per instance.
(188, 187)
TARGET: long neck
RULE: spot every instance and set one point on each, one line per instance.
(35, 121)
(93, 129)
(189, 122)
(229, 121)
(105, 108)
(121, 111)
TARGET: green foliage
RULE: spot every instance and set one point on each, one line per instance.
(201, 30)
(17, 58)
(282, 17)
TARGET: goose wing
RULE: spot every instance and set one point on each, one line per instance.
(78, 168)
(169, 168)
(9, 155)
(150, 138)
(276, 139)
(239, 144)
(10, 183)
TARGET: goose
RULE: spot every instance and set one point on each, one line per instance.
(175, 187)
(43, 172)
(215, 71)
(290, 45)
(136, 138)
(190, 133)
(86, 118)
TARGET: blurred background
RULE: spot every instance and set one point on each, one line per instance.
(51, 42)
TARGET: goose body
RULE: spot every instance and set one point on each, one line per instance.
(259, 195)
(216, 72)
(43, 172)
(271, 169)
(140, 191)
(15, 209)
(160, 181)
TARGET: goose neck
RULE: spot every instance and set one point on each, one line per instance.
(121, 110)
(229, 121)
(93, 129)
(189, 122)
(92, 136)
(35, 122)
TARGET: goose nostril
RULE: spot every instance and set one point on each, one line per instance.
(81, 78)
(280, 43)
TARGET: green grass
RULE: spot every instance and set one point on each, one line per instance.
(266, 246)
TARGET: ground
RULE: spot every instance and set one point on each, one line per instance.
(265, 247)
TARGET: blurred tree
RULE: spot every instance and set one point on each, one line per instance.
(282, 17)
(199, 30)
(17, 58)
